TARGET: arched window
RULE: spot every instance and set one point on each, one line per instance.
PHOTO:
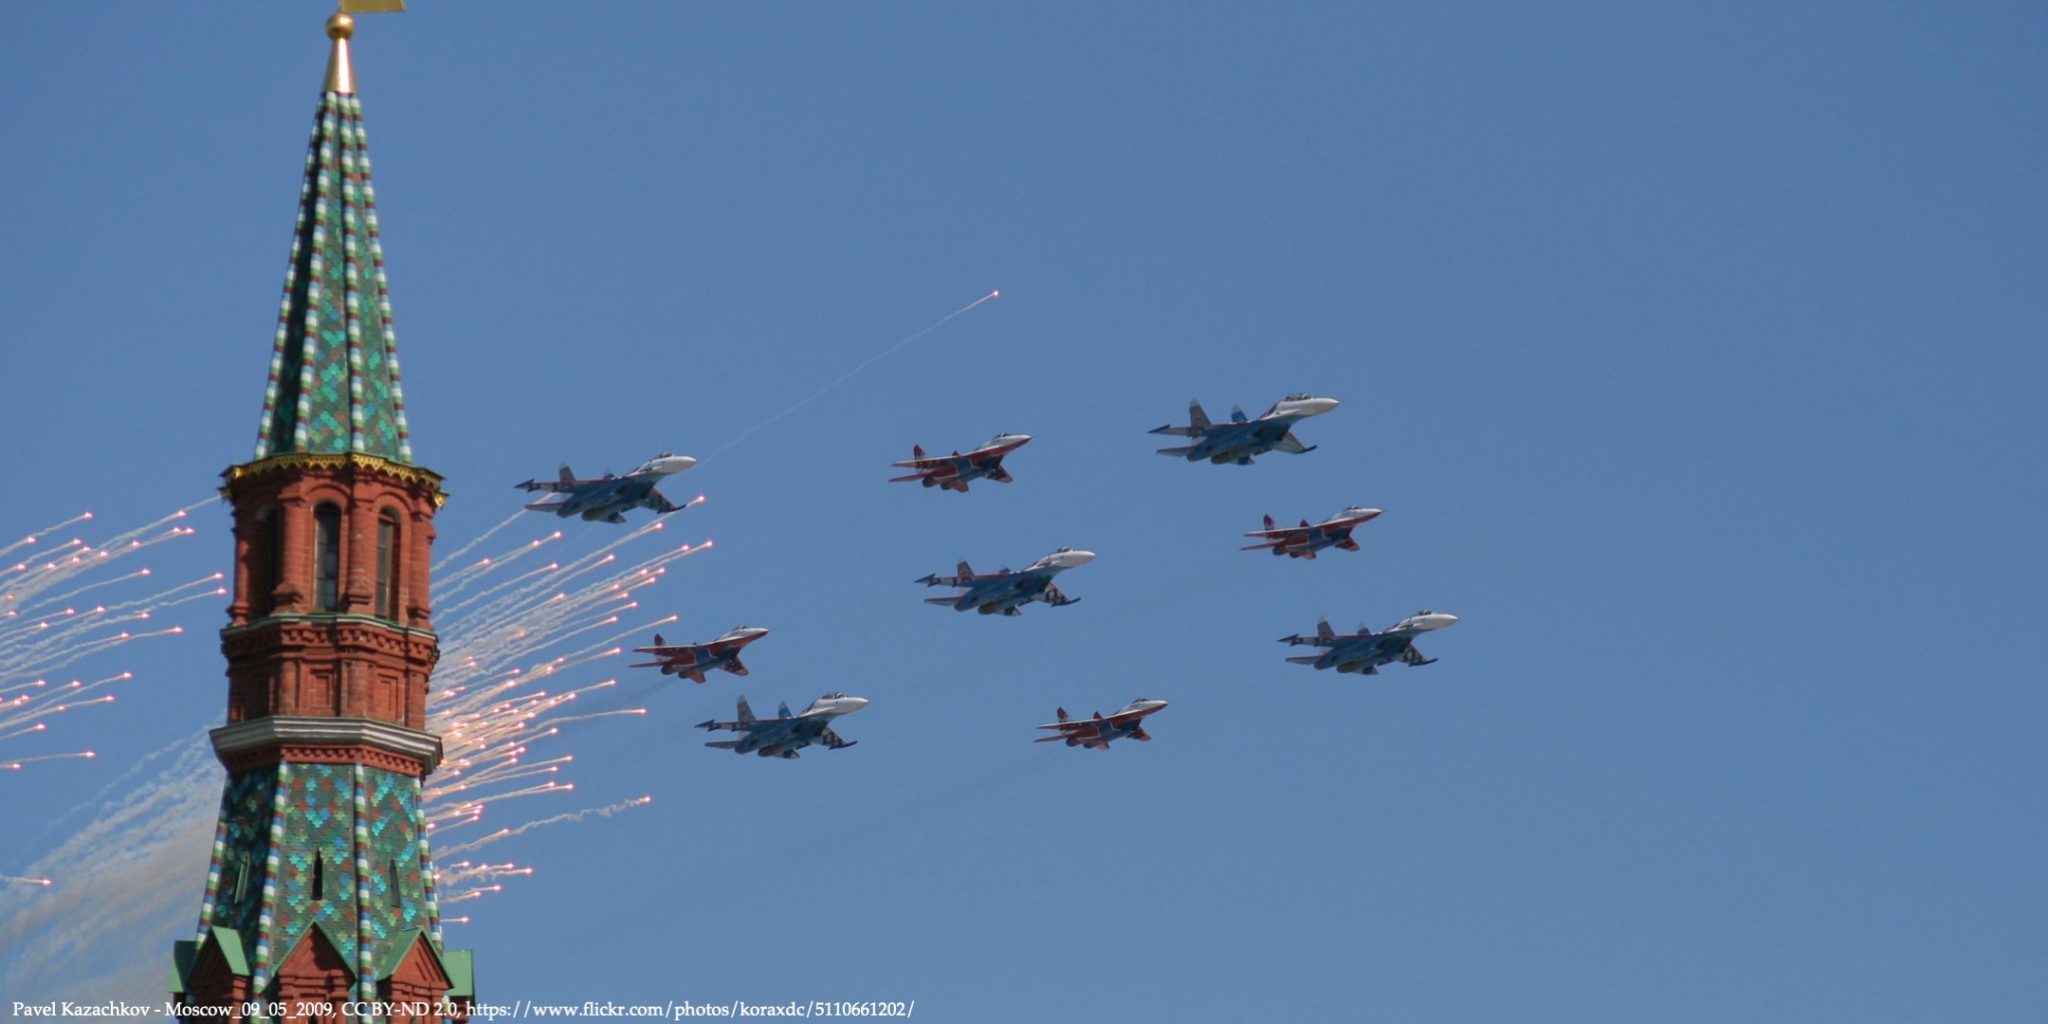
(269, 548)
(388, 550)
(327, 557)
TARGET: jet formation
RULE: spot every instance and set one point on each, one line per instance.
(1005, 592)
(1096, 733)
(1242, 438)
(610, 496)
(1305, 540)
(1002, 592)
(952, 472)
(785, 734)
(1365, 651)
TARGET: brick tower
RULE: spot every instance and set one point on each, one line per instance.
(321, 887)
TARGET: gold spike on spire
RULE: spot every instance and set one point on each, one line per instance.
(341, 74)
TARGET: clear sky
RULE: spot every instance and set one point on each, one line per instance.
(1696, 353)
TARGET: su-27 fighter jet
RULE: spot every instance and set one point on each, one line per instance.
(1002, 592)
(1365, 651)
(693, 660)
(1095, 733)
(610, 496)
(952, 472)
(1305, 540)
(1241, 438)
(785, 734)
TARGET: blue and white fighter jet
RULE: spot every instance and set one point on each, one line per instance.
(1002, 592)
(1241, 438)
(785, 734)
(1365, 651)
(610, 496)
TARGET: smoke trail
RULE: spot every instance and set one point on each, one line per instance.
(507, 833)
(850, 374)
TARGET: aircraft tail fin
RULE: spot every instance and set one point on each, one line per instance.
(1063, 714)
(566, 476)
(658, 641)
(1269, 522)
(746, 712)
(917, 451)
(1323, 629)
(782, 710)
(1237, 414)
(1196, 417)
(964, 569)
(1304, 524)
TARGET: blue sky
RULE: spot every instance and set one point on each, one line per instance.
(1695, 354)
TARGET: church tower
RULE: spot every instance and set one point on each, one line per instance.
(321, 886)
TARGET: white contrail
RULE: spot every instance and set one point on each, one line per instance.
(850, 374)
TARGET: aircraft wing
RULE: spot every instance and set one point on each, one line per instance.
(655, 501)
(928, 462)
(1292, 444)
(1178, 431)
(1282, 532)
(832, 740)
(948, 581)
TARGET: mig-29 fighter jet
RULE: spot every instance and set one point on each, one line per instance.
(952, 472)
(785, 734)
(610, 496)
(1002, 592)
(1095, 733)
(693, 660)
(1305, 540)
(1365, 651)
(1241, 438)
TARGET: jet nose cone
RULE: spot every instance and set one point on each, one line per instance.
(1070, 559)
(852, 704)
(1318, 406)
(1436, 620)
(668, 464)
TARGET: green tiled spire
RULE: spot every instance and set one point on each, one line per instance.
(333, 384)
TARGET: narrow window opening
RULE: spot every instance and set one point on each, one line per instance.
(270, 551)
(319, 877)
(327, 548)
(387, 565)
(396, 900)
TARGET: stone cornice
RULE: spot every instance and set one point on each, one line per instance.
(425, 480)
(309, 734)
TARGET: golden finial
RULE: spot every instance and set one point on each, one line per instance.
(341, 75)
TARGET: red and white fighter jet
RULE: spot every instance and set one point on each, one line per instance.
(1095, 733)
(1305, 540)
(951, 472)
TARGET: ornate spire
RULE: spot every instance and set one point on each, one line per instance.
(333, 384)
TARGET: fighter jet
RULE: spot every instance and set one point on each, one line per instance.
(1365, 651)
(1095, 733)
(1305, 540)
(1241, 438)
(610, 496)
(785, 734)
(952, 472)
(693, 660)
(1002, 592)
